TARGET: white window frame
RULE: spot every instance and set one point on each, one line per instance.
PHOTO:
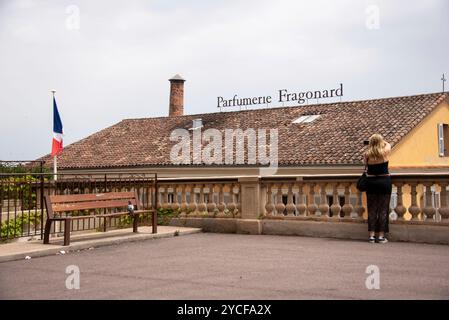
(306, 118)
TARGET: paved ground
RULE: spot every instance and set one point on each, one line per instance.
(221, 266)
(35, 248)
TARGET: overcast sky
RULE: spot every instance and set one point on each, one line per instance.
(114, 61)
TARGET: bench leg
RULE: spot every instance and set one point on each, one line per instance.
(104, 225)
(135, 222)
(47, 231)
(67, 226)
(154, 221)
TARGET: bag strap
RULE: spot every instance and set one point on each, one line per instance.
(366, 164)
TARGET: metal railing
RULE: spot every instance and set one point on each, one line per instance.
(22, 208)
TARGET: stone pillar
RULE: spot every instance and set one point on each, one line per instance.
(250, 198)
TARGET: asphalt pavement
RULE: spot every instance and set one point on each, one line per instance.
(230, 266)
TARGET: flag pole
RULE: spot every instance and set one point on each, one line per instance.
(55, 158)
(55, 167)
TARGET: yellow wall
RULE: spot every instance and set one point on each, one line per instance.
(420, 147)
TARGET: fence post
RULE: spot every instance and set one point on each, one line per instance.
(154, 215)
(42, 203)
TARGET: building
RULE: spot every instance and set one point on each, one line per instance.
(315, 140)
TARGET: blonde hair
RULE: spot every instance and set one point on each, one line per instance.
(376, 149)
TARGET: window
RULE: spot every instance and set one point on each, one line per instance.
(306, 118)
(196, 124)
(443, 139)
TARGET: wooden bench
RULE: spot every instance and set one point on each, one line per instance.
(60, 208)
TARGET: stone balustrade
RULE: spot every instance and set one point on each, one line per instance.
(415, 199)
(211, 199)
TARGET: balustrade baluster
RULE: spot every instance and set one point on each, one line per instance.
(324, 206)
(184, 205)
(238, 201)
(444, 207)
(347, 207)
(429, 210)
(400, 209)
(335, 207)
(359, 208)
(290, 205)
(166, 204)
(269, 207)
(414, 209)
(202, 205)
(193, 204)
(312, 206)
(211, 205)
(160, 198)
(221, 203)
(280, 206)
(301, 207)
(232, 206)
(175, 205)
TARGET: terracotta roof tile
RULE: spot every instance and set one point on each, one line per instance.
(334, 138)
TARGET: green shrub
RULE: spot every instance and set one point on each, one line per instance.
(164, 216)
(127, 220)
(14, 227)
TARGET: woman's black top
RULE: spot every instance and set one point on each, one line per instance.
(378, 169)
(379, 182)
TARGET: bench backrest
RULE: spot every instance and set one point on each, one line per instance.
(77, 202)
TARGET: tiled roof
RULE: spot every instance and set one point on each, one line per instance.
(336, 137)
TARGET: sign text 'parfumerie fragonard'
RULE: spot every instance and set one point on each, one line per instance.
(283, 95)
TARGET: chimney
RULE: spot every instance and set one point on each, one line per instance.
(176, 96)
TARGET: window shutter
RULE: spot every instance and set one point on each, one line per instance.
(441, 139)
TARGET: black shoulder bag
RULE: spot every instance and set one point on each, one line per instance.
(362, 183)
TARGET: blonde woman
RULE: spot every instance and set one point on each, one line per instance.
(379, 188)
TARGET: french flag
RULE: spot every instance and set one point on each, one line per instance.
(57, 131)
